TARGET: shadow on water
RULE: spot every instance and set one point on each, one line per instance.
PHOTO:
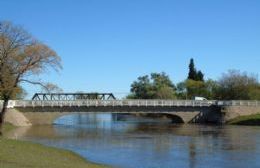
(133, 141)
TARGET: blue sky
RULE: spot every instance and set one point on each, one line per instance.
(106, 44)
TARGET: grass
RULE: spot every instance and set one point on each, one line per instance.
(246, 120)
(7, 127)
(21, 154)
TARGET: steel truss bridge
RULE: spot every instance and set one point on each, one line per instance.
(72, 96)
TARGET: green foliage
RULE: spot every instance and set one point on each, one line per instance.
(193, 74)
(254, 92)
(191, 88)
(157, 86)
(253, 119)
(165, 92)
(142, 88)
(200, 76)
(7, 127)
(192, 70)
(131, 96)
(235, 85)
(211, 88)
(195, 88)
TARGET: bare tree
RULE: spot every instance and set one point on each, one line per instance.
(21, 57)
(51, 88)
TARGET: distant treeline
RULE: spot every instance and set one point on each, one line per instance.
(232, 85)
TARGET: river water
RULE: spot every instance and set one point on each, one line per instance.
(139, 142)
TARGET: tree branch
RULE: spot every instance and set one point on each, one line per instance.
(34, 83)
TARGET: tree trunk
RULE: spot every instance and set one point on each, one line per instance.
(2, 115)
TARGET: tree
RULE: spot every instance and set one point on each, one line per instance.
(188, 89)
(162, 86)
(160, 80)
(254, 92)
(21, 58)
(142, 88)
(235, 85)
(157, 86)
(195, 88)
(182, 90)
(50, 88)
(165, 92)
(211, 88)
(19, 93)
(192, 70)
(193, 73)
(200, 76)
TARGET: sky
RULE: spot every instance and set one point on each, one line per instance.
(106, 44)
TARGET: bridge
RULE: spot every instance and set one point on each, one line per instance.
(73, 96)
(44, 109)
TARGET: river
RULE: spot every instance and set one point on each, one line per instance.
(125, 141)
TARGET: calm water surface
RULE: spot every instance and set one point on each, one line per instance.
(136, 142)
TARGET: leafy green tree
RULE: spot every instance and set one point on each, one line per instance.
(195, 88)
(157, 86)
(142, 88)
(235, 85)
(161, 79)
(165, 92)
(191, 88)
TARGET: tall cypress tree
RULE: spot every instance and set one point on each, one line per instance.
(192, 70)
(200, 76)
(193, 73)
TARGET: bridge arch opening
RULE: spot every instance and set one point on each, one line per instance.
(81, 118)
(175, 119)
(88, 118)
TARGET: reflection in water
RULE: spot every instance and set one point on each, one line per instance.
(138, 142)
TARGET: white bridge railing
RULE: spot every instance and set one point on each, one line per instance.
(238, 103)
(128, 103)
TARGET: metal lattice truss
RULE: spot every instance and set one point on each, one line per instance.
(72, 96)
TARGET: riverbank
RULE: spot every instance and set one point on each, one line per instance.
(21, 154)
(252, 120)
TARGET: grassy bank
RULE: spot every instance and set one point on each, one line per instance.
(7, 127)
(21, 154)
(246, 120)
